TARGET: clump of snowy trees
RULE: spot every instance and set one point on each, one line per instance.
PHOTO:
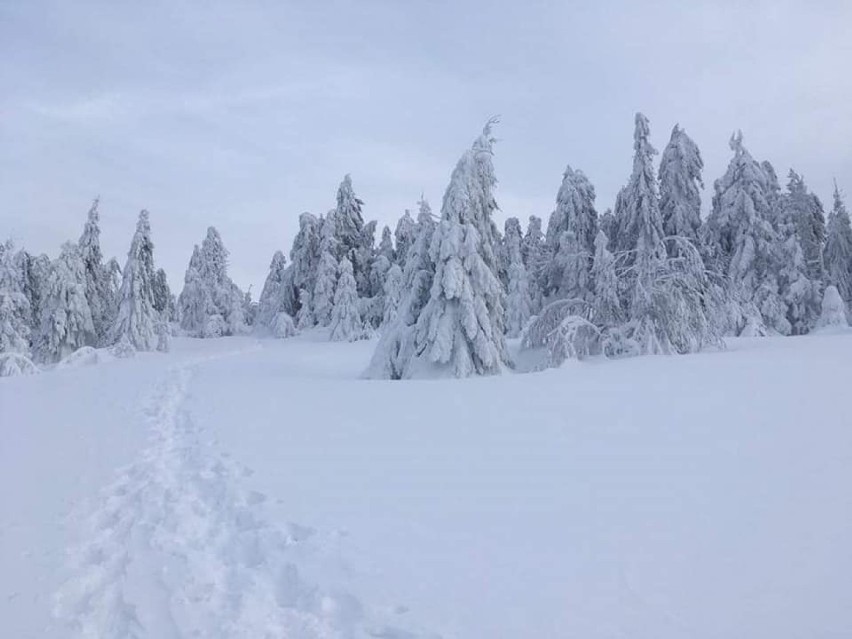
(445, 292)
(51, 308)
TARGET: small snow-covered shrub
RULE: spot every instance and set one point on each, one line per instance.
(84, 356)
(123, 349)
(833, 310)
(15, 364)
(283, 326)
(557, 334)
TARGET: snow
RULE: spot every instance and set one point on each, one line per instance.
(700, 496)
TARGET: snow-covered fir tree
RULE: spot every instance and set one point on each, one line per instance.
(354, 239)
(664, 297)
(373, 307)
(404, 236)
(575, 211)
(211, 305)
(164, 301)
(33, 272)
(570, 270)
(15, 311)
(805, 212)
(606, 307)
(386, 245)
(194, 303)
(99, 291)
(66, 321)
(534, 252)
(322, 296)
(575, 215)
(272, 296)
(518, 302)
(304, 259)
(136, 320)
(460, 330)
(837, 255)
(346, 325)
(680, 185)
(395, 349)
(393, 292)
(740, 242)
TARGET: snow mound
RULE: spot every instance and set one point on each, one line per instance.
(15, 365)
(833, 316)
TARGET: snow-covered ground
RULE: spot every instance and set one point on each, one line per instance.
(245, 488)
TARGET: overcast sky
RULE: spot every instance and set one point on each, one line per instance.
(244, 114)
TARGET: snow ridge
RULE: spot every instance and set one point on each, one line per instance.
(176, 548)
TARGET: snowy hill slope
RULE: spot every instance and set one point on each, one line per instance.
(696, 496)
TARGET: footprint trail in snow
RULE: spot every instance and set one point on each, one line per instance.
(176, 548)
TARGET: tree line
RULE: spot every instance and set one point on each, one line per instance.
(445, 292)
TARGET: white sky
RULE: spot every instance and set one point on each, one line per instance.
(244, 114)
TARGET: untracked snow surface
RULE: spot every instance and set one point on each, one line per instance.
(259, 488)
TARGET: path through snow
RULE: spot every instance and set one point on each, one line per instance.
(177, 548)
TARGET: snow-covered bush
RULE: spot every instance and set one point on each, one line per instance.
(16, 364)
(283, 326)
(833, 313)
(559, 332)
(122, 349)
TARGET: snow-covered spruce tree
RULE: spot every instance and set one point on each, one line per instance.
(575, 215)
(322, 296)
(606, 223)
(800, 294)
(393, 293)
(740, 243)
(680, 184)
(535, 257)
(575, 211)
(272, 295)
(460, 330)
(346, 325)
(304, 258)
(33, 273)
(164, 301)
(354, 239)
(404, 236)
(518, 300)
(211, 305)
(386, 245)
(373, 307)
(396, 346)
(805, 211)
(774, 199)
(15, 312)
(66, 321)
(665, 297)
(837, 255)
(570, 270)
(136, 319)
(194, 302)
(606, 310)
(99, 291)
(640, 238)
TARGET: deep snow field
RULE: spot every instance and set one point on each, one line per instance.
(259, 488)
